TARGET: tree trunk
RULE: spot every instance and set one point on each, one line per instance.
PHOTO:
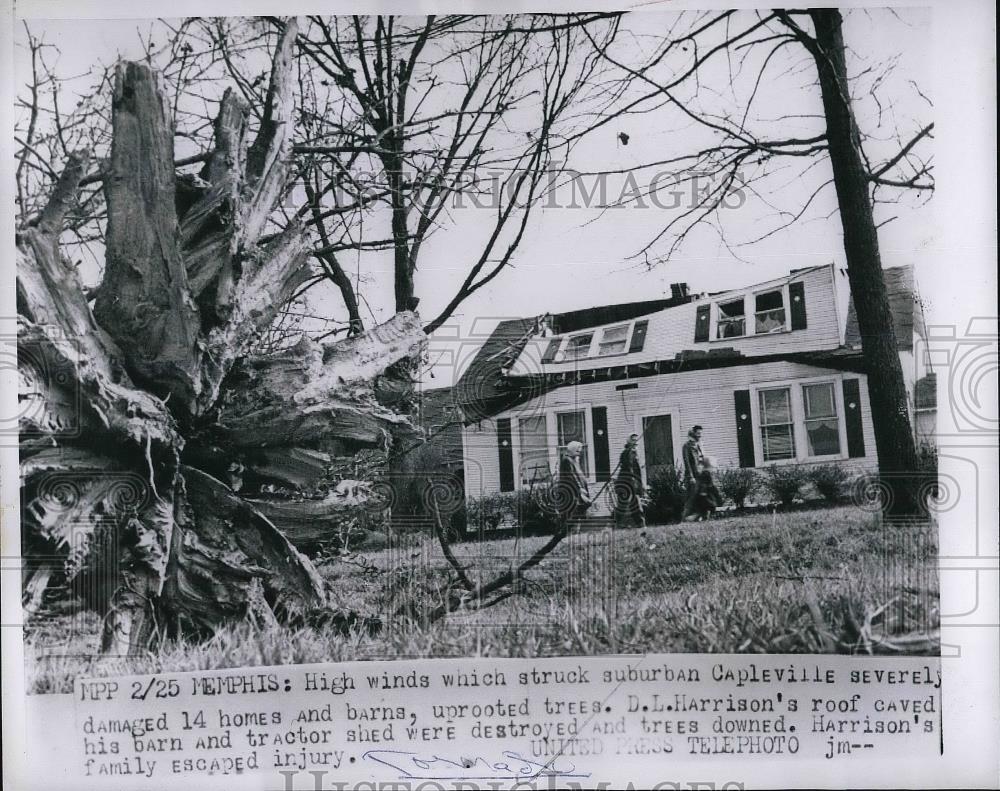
(342, 281)
(890, 411)
(402, 265)
(148, 426)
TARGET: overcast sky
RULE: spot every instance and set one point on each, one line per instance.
(575, 257)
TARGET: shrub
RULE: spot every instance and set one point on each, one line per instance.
(490, 511)
(667, 494)
(526, 510)
(534, 511)
(830, 481)
(785, 481)
(738, 484)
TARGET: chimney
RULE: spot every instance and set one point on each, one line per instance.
(678, 290)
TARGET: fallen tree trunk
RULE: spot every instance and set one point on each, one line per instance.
(332, 521)
(143, 417)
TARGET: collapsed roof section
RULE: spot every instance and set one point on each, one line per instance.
(495, 379)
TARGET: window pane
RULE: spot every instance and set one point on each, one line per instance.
(731, 328)
(731, 310)
(732, 321)
(578, 346)
(534, 449)
(823, 437)
(775, 406)
(572, 427)
(819, 401)
(778, 441)
(769, 300)
(613, 340)
(770, 313)
(770, 321)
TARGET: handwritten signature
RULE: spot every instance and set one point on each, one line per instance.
(512, 766)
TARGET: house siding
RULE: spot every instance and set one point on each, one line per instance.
(672, 331)
(481, 458)
(695, 397)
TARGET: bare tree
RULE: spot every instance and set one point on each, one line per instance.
(715, 54)
(446, 110)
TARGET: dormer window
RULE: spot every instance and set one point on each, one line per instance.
(778, 309)
(613, 340)
(578, 346)
(747, 315)
(732, 319)
(603, 342)
(770, 312)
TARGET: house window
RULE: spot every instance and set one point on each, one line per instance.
(770, 312)
(578, 347)
(732, 319)
(572, 427)
(533, 433)
(776, 430)
(822, 427)
(613, 340)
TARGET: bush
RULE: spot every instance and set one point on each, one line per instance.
(667, 495)
(738, 484)
(490, 511)
(830, 481)
(525, 510)
(785, 481)
(535, 513)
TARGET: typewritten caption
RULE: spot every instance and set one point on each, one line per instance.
(312, 726)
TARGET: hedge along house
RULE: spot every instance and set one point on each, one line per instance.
(773, 373)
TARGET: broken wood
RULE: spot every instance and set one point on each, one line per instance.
(155, 387)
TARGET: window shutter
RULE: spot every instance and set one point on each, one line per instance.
(551, 350)
(506, 455)
(744, 428)
(701, 323)
(602, 454)
(852, 417)
(797, 295)
(638, 336)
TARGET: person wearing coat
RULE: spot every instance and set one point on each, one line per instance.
(708, 498)
(628, 486)
(693, 457)
(573, 498)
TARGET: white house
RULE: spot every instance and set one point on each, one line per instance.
(773, 373)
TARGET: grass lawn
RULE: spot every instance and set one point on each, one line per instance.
(820, 581)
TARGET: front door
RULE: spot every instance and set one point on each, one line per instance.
(657, 444)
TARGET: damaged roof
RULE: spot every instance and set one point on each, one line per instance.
(484, 389)
(480, 389)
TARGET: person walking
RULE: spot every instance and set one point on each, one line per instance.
(573, 495)
(628, 486)
(693, 457)
(708, 498)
